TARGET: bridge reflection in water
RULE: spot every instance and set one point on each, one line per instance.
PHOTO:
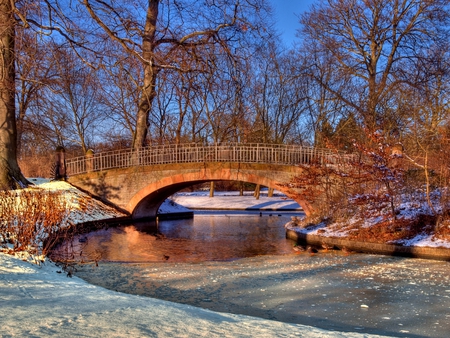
(209, 236)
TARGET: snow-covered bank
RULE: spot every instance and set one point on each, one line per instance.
(43, 302)
(343, 230)
(231, 200)
(422, 240)
(83, 208)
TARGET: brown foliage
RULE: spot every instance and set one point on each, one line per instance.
(30, 217)
(387, 230)
(442, 230)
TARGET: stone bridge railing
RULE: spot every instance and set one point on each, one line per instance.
(196, 153)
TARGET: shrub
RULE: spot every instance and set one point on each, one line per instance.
(29, 218)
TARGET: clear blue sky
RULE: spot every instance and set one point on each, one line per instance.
(286, 16)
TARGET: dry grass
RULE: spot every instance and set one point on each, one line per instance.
(388, 230)
(442, 229)
(29, 218)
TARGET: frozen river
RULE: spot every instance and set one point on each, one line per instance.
(191, 262)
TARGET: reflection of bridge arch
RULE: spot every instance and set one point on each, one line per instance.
(140, 181)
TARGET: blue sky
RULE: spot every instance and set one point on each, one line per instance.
(286, 15)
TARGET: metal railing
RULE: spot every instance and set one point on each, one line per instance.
(195, 153)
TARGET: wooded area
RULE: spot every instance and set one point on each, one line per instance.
(105, 75)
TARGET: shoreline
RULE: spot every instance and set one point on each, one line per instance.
(435, 253)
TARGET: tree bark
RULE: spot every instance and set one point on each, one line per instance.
(211, 189)
(10, 174)
(257, 191)
(150, 74)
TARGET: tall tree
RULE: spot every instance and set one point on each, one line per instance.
(320, 81)
(10, 175)
(15, 15)
(279, 97)
(75, 97)
(34, 72)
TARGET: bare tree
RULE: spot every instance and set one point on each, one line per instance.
(34, 72)
(371, 43)
(75, 97)
(170, 33)
(120, 94)
(14, 16)
(279, 97)
(316, 72)
(425, 128)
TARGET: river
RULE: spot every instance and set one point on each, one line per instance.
(241, 263)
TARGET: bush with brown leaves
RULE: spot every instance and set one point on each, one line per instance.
(29, 218)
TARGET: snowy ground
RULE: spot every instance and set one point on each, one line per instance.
(232, 201)
(41, 301)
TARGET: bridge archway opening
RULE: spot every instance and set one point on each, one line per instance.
(148, 207)
(146, 203)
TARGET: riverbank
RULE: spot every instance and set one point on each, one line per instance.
(339, 243)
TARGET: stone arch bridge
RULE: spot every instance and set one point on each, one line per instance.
(138, 181)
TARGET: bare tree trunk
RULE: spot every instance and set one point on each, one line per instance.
(150, 74)
(211, 189)
(257, 191)
(10, 174)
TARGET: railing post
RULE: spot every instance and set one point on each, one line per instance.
(177, 159)
(89, 160)
(60, 171)
(257, 153)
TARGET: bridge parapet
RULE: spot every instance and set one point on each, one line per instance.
(279, 154)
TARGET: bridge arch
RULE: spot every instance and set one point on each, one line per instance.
(146, 202)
